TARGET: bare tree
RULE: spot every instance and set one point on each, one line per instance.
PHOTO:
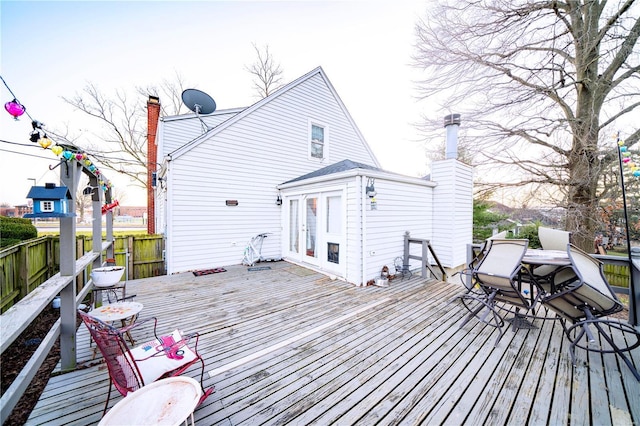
(121, 125)
(267, 74)
(542, 86)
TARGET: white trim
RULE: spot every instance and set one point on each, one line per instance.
(358, 172)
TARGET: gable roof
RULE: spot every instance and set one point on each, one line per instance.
(240, 115)
(338, 167)
(44, 193)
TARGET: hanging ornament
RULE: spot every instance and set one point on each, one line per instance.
(79, 156)
(87, 162)
(57, 149)
(45, 142)
(34, 136)
(67, 155)
(15, 108)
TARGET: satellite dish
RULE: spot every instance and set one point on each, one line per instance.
(198, 101)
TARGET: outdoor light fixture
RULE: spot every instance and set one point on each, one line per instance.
(371, 189)
(278, 200)
(15, 108)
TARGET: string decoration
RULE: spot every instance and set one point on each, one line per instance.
(626, 159)
(65, 152)
(15, 108)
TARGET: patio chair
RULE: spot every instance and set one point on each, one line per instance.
(498, 276)
(132, 368)
(466, 274)
(553, 239)
(586, 303)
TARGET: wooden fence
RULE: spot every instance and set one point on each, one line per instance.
(25, 266)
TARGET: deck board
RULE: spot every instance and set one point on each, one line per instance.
(291, 346)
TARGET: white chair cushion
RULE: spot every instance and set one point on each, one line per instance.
(153, 361)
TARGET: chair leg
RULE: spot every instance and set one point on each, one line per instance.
(617, 350)
(106, 404)
(205, 392)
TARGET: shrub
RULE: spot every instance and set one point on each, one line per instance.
(14, 230)
(530, 232)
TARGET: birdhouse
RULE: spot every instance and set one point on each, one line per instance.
(50, 201)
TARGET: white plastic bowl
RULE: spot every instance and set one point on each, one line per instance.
(107, 276)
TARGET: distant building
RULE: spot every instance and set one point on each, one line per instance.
(16, 211)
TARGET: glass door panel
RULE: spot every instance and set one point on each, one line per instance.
(294, 227)
(311, 226)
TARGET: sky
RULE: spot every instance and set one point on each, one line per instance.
(53, 49)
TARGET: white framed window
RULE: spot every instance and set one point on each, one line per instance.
(317, 145)
(46, 206)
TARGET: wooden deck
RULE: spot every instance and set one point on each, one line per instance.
(290, 346)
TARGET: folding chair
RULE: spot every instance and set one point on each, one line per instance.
(586, 303)
(132, 368)
(498, 276)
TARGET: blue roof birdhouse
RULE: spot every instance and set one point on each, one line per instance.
(50, 201)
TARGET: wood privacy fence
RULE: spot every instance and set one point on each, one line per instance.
(25, 266)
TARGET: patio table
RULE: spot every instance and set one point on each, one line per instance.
(546, 257)
(168, 401)
(118, 311)
(531, 258)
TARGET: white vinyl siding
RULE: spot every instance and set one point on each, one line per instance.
(245, 161)
(401, 207)
(453, 218)
(375, 238)
(179, 130)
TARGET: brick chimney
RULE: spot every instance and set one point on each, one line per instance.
(153, 115)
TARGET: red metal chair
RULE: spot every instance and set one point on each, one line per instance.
(132, 368)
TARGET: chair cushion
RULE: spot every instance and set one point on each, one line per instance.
(153, 362)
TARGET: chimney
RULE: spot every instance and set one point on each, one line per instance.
(452, 123)
(153, 115)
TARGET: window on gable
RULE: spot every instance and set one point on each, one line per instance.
(317, 141)
(46, 206)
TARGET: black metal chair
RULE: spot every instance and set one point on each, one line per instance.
(586, 303)
(497, 276)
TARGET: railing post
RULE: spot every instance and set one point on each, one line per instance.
(634, 290)
(69, 176)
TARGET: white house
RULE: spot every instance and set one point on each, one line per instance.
(295, 165)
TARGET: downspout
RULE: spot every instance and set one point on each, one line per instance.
(168, 208)
(363, 216)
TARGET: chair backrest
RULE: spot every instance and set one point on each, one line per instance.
(123, 372)
(553, 239)
(501, 263)
(591, 291)
(499, 236)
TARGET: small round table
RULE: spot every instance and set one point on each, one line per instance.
(168, 401)
(118, 311)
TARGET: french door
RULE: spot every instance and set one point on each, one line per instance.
(316, 228)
